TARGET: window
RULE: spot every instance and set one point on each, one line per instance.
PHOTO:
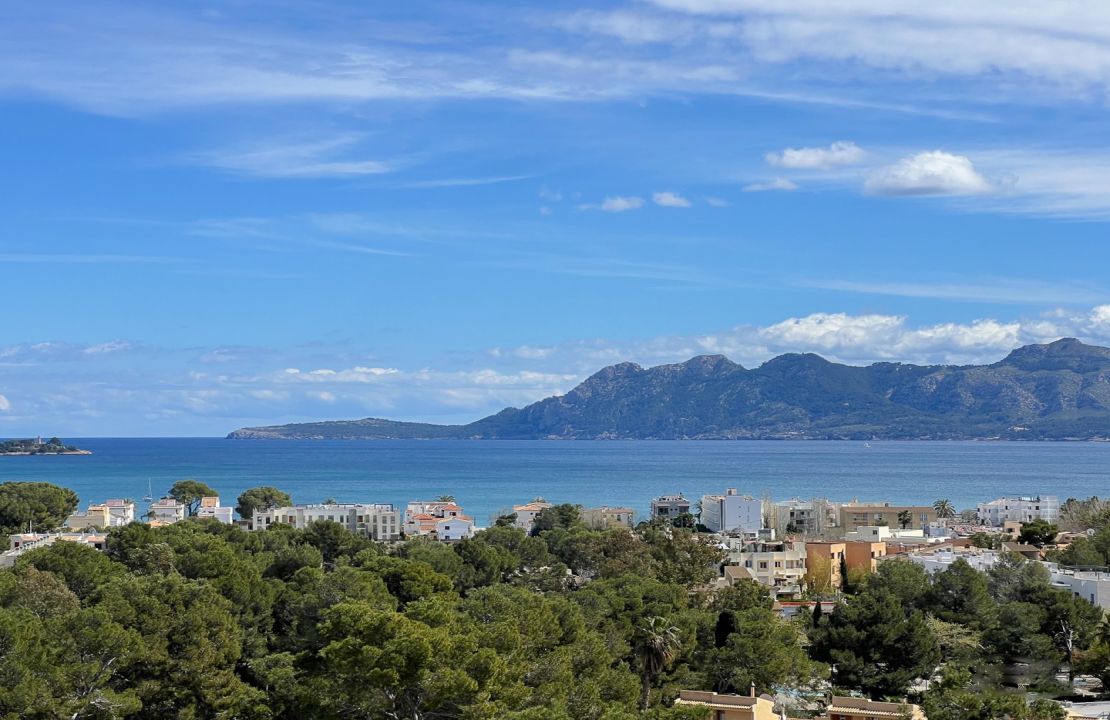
(762, 564)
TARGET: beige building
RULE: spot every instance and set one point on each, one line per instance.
(855, 515)
(849, 708)
(606, 517)
(779, 565)
(97, 516)
(526, 513)
(863, 556)
(730, 707)
(824, 561)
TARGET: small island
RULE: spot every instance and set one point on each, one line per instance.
(38, 446)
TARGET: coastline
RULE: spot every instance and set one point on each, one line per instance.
(65, 452)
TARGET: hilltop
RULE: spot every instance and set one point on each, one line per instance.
(1057, 391)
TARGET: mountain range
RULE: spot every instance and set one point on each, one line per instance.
(1058, 391)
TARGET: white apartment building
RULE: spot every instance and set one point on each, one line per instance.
(120, 512)
(425, 517)
(1091, 585)
(526, 513)
(732, 513)
(210, 508)
(453, 529)
(1019, 509)
(779, 565)
(668, 507)
(166, 511)
(26, 542)
(378, 521)
(110, 513)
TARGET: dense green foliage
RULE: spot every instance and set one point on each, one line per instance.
(189, 494)
(1049, 391)
(261, 498)
(204, 620)
(42, 505)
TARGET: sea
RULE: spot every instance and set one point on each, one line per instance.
(488, 477)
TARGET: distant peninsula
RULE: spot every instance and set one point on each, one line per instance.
(38, 446)
(1057, 391)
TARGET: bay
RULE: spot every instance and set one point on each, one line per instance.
(489, 476)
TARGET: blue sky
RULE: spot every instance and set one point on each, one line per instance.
(237, 213)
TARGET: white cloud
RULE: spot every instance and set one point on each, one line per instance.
(299, 159)
(108, 347)
(670, 199)
(5, 404)
(928, 173)
(717, 202)
(771, 185)
(838, 154)
(615, 204)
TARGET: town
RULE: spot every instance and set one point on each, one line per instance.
(807, 556)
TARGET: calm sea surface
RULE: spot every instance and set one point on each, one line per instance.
(488, 476)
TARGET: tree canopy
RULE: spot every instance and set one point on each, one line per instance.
(189, 494)
(260, 498)
(41, 505)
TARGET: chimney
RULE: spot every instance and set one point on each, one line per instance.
(751, 690)
(731, 491)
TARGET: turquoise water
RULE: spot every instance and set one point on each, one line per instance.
(488, 476)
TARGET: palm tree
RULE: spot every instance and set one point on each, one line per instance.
(656, 644)
(905, 518)
(446, 498)
(944, 509)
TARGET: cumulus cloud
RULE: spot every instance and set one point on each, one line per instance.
(781, 184)
(5, 404)
(670, 199)
(716, 202)
(838, 154)
(928, 173)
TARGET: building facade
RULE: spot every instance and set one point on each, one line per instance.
(850, 708)
(526, 513)
(26, 542)
(825, 565)
(1021, 509)
(732, 513)
(166, 511)
(778, 565)
(856, 515)
(379, 521)
(804, 517)
(668, 507)
(606, 517)
(210, 508)
(729, 707)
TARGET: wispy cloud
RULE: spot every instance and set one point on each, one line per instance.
(986, 290)
(463, 182)
(781, 184)
(302, 159)
(670, 199)
(615, 204)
